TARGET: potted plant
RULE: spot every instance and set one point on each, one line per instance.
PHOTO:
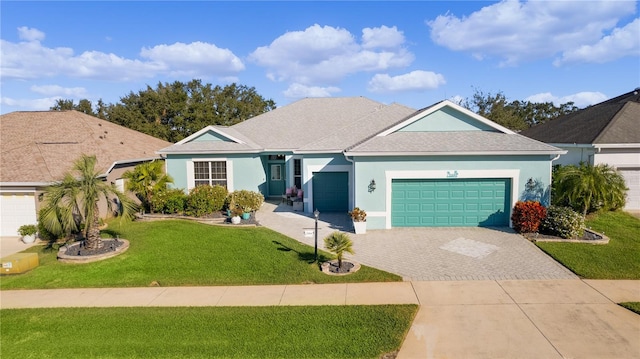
(359, 218)
(236, 212)
(28, 232)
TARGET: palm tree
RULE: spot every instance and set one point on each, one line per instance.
(338, 243)
(74, 201)
(587, 188)
(146, 180)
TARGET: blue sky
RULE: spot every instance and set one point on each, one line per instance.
(414, 53)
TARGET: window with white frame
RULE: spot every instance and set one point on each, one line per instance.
(210, 173)
(297, 172)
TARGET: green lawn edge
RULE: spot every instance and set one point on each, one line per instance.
(187, 253)
(619, 259)
(206, 332)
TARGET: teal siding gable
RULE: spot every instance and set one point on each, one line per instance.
(211, 136)
(446, 120)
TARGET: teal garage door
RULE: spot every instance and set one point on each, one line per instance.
(331, 191)
(450, 202)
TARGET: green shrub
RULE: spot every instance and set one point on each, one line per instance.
(247, 200)
(526, 216)
(169, 201)
(563, 222)
(204, 200)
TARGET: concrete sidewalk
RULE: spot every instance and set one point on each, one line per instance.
(456, 319)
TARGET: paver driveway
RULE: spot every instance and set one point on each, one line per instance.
(465, 253)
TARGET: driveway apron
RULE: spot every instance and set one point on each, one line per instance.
(425, 254)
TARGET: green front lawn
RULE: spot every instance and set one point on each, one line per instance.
(619, 259)
(264, 332)
(632, 306)
(185, 253)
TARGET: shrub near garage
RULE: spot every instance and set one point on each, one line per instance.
(527, 216)
(563, 222)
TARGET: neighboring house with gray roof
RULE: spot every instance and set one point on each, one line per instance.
(440, 166)
(38, 147)
(608, 132)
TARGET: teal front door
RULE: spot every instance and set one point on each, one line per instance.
(276, 178)
(331, 191)
(450, 202)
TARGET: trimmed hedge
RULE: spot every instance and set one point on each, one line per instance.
(204, 200)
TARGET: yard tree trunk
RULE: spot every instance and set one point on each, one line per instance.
(93, 240)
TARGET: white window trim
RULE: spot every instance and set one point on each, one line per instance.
(514, 175)
(191, 181)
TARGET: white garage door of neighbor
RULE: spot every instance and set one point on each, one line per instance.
(16, 209)
(632, 178)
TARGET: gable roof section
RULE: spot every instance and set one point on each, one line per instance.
(213, 139)
(488, 138)
(613, 121)
(40, 146)
(421, 114)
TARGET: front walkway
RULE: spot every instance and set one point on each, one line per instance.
(464, 253)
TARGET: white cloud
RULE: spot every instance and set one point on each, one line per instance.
(32, 60)
(412, 81)
(382, 37)
(194, 58)
(40, 104)
(325, 55)
(296, 91)
(516, 31)
(55, 90)
(29, 34)
(621, 43)
(580, 99)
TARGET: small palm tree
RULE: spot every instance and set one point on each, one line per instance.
(74, 200)
(146, 180)
(338, 243)
(586, 188)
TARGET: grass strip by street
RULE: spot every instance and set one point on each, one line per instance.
(619, 259)
(186, 253)
(182, 332)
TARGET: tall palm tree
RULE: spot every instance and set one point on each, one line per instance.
(74, 200)
(146, 180)
(586, 188)
(338, 243)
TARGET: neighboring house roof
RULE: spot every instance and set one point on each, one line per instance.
(359, 126)
(40, 146)
(613, 121)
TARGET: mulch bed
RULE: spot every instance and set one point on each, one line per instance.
(109, 245)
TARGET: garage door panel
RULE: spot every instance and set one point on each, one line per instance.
(457, 202)
(16, 209)
(331, 191)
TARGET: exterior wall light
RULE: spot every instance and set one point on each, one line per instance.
(372, 186)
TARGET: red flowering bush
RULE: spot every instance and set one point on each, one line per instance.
(527, 216)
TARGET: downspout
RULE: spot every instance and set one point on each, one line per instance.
(353, 185)
(551, 176)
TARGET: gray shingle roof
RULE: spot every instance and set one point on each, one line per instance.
(40, 146)
(306, 121)
(479, 142)
(613, 121)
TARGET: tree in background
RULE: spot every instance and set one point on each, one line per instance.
(74, 200)
(177, 110)
(587, 188)
(146, 180)
(173, 111)
(514, 115)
